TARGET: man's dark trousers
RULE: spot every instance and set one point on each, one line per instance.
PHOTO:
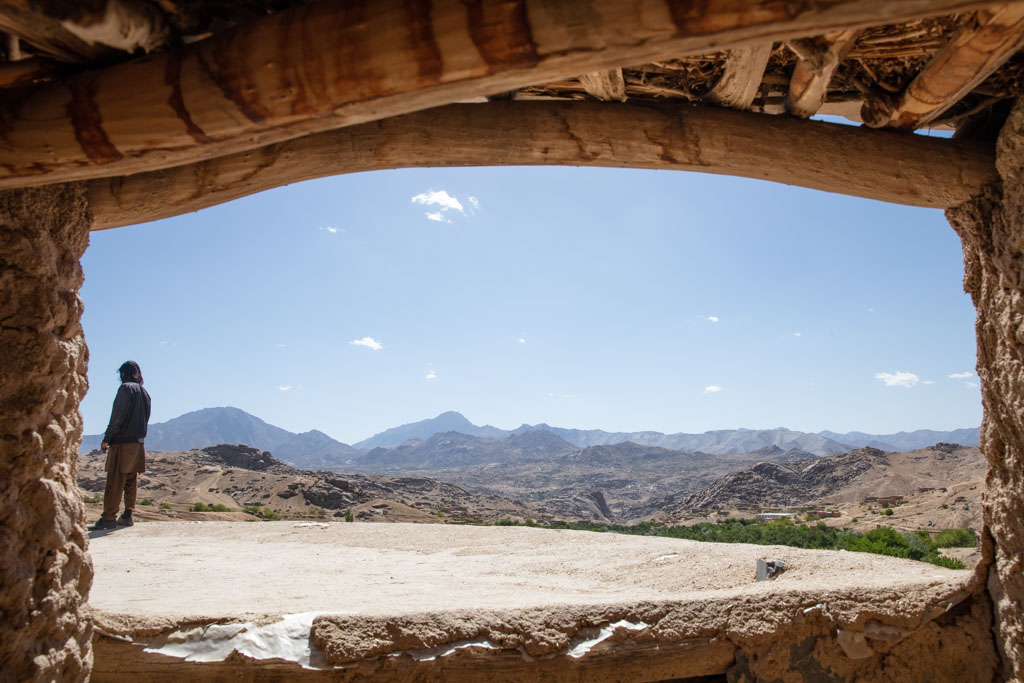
(124, 462)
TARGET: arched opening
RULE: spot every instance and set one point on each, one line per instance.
(89, 167)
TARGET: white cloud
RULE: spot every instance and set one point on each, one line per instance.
(522, 340)
(280, 346)
(561, 396)
(871, 310)
(368, 342)
(431, 375)
(285, 387)
(443, 203)
(712, 318)
(898, 379)
(961, 375)
(971, 385)
(332, 229)
(440, 198)
(712, 389)
(928, 381)
(797, 334)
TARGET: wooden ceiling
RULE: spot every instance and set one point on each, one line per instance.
(166, 106)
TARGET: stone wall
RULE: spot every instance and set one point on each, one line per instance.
(991, 227)
(45, 572)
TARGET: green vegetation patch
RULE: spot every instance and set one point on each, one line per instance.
(918, 545)
(202, 507)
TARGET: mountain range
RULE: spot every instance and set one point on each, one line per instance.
(399, 446)
(212, 426)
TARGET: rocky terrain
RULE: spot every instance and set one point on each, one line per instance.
(240, 477)
(847, 478)
(940, 488)
(622, 483)
(635, 481)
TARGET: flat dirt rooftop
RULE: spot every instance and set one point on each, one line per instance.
(372, 601)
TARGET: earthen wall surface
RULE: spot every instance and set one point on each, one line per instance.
(45, 572)
(991, 228)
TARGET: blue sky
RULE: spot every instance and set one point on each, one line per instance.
(588, 298)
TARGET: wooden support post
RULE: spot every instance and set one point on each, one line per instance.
(744, 69)
(326, 65)
(974, 53)
(905, 169)
(812, 74)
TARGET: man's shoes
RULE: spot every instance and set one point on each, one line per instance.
(103, 524)
(126, 519)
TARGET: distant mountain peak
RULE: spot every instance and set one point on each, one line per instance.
(448, 421)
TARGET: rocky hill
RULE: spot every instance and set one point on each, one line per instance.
(634, 480)
(846, 478)
(239, 477)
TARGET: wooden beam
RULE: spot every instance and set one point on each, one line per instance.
(744, 69)
(973, 54)
(813, 73)
(27, 71)
(85, 31)
(330, 64)
(884, 165)
(609, 86)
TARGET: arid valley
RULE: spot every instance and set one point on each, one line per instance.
(536, 477)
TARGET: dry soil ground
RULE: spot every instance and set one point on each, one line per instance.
(225, 568)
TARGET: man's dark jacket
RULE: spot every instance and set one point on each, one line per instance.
(129, 418)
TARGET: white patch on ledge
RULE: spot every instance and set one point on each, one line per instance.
(431, 653)
(581, 646)
(287, 639)
(666, 557)
(306, 525)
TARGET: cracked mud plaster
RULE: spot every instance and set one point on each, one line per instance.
(991, 228)
(926, 634)
(45, 572)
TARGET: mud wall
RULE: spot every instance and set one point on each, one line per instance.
(991, 227)
(45, 573)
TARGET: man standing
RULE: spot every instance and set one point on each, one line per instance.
(123, 442)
